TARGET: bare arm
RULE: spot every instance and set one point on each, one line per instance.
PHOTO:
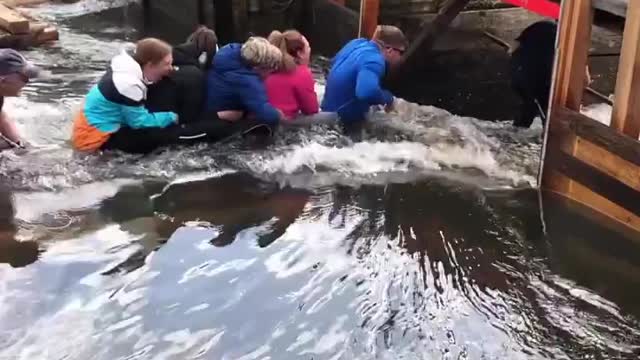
(8, 128)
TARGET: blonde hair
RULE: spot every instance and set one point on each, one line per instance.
(390, 35)
(290, 43)
(259, 52)
(151, 50)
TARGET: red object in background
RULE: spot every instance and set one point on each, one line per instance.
(542, 7)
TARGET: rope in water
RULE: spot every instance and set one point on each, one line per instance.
(11, 142)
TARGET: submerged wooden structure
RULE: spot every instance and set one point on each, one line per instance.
(584, 160)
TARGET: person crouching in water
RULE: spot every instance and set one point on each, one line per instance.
(292, 89)
(15, 73)
(183, 90)
(235, 87)
(353, 83)
(114, 117)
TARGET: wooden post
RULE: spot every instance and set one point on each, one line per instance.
(568, 84)
(427, 37)
(626, 108)
(573, 53)
(240, 18)
(369, 11)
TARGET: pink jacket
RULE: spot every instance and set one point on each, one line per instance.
(293, 92)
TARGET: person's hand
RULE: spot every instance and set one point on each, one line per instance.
(587, 77)
(281, 115)
(230, 115)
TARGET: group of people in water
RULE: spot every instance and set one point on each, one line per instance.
(155, 95)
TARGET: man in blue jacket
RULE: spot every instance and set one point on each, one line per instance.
(235, 85)
(353, 83)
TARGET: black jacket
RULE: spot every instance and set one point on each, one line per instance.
(183, 91)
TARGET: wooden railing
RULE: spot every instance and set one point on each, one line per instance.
(589, 162)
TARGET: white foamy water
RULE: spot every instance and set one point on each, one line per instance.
(599, 112)
(74, 9)
(412, 142)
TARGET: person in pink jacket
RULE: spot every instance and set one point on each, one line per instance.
(292, 89)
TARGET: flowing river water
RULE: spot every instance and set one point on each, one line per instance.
(421, 241)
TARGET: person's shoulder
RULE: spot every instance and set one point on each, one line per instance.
(303, 73)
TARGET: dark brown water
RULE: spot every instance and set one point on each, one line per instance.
(422, 241)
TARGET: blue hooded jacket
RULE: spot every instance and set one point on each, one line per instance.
(233, 85)
(353, 83)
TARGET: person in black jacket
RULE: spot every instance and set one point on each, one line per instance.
(532, 69)
(183, 91)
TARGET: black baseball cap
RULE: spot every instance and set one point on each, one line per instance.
(12, 62)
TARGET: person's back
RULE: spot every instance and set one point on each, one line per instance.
(353, 83)
(226, 74)
(184, 89)
(532, 68)
(292, 89)
(342, 94)
(234, 84)
(293, 92)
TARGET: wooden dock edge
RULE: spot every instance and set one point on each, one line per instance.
(584, 160)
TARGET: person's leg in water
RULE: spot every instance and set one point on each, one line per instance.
(144, 141)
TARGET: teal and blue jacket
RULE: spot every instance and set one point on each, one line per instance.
(116, 101)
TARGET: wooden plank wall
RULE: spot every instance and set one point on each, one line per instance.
(585, 160)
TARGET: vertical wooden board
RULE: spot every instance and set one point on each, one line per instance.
(369, 12)
(572, 53)
(574, 40)
(626, 108)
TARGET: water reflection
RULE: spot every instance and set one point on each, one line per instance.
(13, 252)
(232, 203)
(430, 267)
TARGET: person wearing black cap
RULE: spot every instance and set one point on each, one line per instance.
(15, 73)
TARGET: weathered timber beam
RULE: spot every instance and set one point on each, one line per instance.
(599, 134)
(615, 7)
(12, 21)
(596, 181)
(430, 32)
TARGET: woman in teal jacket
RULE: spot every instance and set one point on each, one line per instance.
(114, 116)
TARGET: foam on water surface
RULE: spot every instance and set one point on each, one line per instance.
(341, 246)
